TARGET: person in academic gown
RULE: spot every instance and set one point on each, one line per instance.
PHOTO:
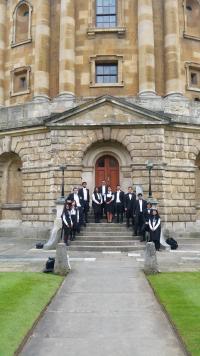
(96, 204)
(67, 222)
(140, 207)
(119, 204)
(84, 193)
(74, 212)
(129, 206)
(103, 190)
(155, 228)
(75, 195)
(147, 216)
(109, 200)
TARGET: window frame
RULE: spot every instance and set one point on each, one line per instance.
(26, 69)
(189, 66)
(186, 34)
(119, 29)
(107, 15)
(106, 59)
(14, 43)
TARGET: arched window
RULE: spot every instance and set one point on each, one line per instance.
(192, 16)
(22, 23)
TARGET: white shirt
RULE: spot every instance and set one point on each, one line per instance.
(99, 197)
(73, 211)
(76, 198)
(154, 226)
(117, 199)
(103, 189)
(85, 193)
(65, 221)
(140, 202)
(130, 196)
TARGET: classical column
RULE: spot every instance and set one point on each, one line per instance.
(172, 48)
(42, 46)
(146, 48)
(2, 48)
(67, 50)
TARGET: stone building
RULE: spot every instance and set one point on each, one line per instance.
(101, 87)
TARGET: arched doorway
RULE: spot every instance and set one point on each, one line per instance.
(107, 168)
(10, 186)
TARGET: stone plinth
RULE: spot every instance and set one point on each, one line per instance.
(62, 265)
(150, 259)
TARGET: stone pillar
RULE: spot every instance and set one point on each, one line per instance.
(67, 50)
(172, 48)
(42, 46)
(2, 48)
(146, 48)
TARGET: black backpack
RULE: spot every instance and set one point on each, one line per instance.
(49, 265)
(172, 243)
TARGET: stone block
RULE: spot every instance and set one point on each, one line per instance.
(150, 259)
(61, 266)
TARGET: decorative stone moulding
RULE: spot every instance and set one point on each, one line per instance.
(92, 31)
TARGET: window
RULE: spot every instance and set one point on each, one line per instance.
(106, 71)
(193, 76)
(106, 15)
(20, 81)
(21, 24)
(191, 19)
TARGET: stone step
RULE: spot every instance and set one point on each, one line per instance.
(104, 242)
(107, 248)
(105, 233)
(106, 238)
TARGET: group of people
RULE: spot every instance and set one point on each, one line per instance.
(144, 220)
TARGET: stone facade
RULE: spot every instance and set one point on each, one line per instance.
(61, 116)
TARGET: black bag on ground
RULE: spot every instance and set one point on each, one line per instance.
(49, 265)
(173, 243)
(39, 245)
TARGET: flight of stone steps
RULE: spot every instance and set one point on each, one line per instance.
(106, 237)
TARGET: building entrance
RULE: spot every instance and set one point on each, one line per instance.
(107, 168)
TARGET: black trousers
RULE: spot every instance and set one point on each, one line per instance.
(67, 234)
(85, 211)
(139, 221)
(129, 215)
(119, 209)
(103, 210)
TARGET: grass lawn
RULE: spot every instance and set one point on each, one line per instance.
(180, 295)
(22, 298)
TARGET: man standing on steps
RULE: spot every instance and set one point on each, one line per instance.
(119, 204)
(129, 206)
(103, 190)
(84, 193)
(79, 203)
(140, 207)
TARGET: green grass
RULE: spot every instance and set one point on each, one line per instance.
(22, 298)
(179, 293)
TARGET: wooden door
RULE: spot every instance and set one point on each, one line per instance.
(107, 168)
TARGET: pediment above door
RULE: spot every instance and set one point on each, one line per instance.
(106, 110)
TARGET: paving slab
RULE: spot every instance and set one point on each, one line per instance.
(104, 308)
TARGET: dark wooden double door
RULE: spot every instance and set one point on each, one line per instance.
(107, 168)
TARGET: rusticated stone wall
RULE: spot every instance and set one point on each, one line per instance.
(173, 151)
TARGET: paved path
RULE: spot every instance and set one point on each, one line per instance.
(104, 308)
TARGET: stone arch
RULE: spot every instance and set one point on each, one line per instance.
(111, 148)
(22, 18)
(10, 185)
(192, 15)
